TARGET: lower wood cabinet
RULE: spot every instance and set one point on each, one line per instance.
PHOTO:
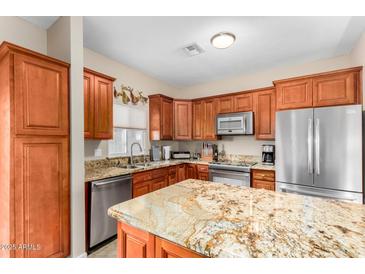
(181, 173)
(172, 175)
(136, 243)
(202, 172)
(190, 171)
(141, 188)
(263, 179)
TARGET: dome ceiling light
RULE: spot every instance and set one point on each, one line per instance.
(223, 40)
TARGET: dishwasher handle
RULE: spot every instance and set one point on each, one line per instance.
(101, 183)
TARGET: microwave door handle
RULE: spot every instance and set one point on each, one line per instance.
(244, 124)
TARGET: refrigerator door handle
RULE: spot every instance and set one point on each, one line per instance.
(310, 146)
(317, 145)
(244, 124)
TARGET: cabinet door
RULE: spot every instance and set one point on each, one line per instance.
(88, 105)
(180, 173)
(198, 122)
(141, 188)
(265, 114)
(103, 115)
(183, 120)
(166, 119)
(225, 104)
(158, 183)
(337, 89)
(264, 184)
(243, 102)
(190, 171)
(203, 176)
(294, 94)
(41, 97)
(134, 243)
(172, 175)
(209, 119)
(166, 249)
(42, 191)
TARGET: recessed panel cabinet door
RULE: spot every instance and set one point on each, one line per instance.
(182, 120)
(166, 119)
(243, 102)
(337, 89)
(103, 116)
(210, 110)
(294, 94)
(198, 123)
(88, 105)
(42, 191)
(265, 114)
(41, 97)
(225, 104)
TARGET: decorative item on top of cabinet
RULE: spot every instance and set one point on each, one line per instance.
(182, 120)
(98, 109)
(263, 179)
(243, 102)
(161, 117)
(225, 104)
(340, 87)
(264, 108)
(34, 136)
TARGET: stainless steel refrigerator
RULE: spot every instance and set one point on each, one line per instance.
(319, 152)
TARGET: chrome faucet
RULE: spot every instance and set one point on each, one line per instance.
(140, 150)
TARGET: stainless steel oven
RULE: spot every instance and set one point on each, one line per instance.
(239, 123)
(232, 177)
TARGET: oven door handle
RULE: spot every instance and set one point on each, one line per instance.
(223, 172)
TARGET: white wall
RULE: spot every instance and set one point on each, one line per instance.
(18, 31)
(126, 76)
(65, 42)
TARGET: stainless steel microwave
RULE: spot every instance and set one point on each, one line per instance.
(238, 123)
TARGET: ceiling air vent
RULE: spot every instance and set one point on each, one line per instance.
(193, 49)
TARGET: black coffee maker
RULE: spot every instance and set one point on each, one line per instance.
(268, 154)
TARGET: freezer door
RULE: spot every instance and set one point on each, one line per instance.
(294, 146)
(338, 148)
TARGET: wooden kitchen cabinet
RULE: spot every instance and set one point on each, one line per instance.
(161, 117)
(181, 173)
(265, 114)
(141, 188)
(336, 89)
(134, 243)
(34, 150)
(202, 172)
(243, 102)
(198, 120)
(167, 249)
(98, 105)
(172, 175)
(341, 87)
(294, 94)
(147, 181)
(182, 120)
(190, 171)
(210, 112)
(225, 104)
(263, 179)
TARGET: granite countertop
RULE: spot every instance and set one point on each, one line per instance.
(219, 220)
(98, 173)
(262, 166)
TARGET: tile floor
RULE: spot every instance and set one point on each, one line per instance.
(107, 251)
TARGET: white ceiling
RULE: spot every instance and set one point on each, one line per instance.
(154, 44)
(43, 22)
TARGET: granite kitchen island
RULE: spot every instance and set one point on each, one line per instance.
(203, 219)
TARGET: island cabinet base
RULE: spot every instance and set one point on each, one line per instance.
(136, 243)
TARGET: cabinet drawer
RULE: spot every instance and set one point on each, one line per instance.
(141, 188)
(142, 176)
(202, 168)
(158, 183)
(264, 175)
(263, 184)
(161, 172)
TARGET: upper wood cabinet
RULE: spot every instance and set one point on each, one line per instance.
(34, 150)
(340, 87)
(294, 94)
(198, 120)
(161, 117)
(38, 112)
(182, 120)
(225, 104)
(336, 89)
(210, 112)
(98, 105)
(264, 101)
(243, 102)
